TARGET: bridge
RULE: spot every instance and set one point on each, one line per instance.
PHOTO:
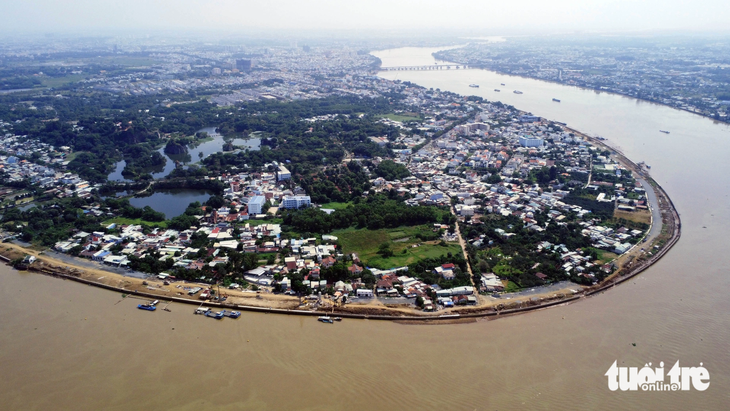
(423, 68)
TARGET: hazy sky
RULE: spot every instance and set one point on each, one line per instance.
(487, 15)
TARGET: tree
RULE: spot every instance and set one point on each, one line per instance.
(385, 251)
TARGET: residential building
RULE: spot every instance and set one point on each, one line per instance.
(295, 201)
(256, 204)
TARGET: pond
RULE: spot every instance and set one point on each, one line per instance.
(172, 202)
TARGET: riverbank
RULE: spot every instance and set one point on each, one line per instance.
(477, 67)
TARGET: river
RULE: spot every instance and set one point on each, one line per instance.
(70, 346)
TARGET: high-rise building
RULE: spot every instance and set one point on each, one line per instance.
(243, 64)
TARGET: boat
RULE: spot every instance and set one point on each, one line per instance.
(325, 319)
(474, 85)
(212, 314)
(502, 84)
(148, 307)
(556, 100)
(648, 166)
(664, 131)
(202, 310)
(517, 92)
(337, 318)
(496, 89)
(231, 314)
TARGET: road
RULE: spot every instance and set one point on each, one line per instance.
(462, 243)
(590, 172)
(95, 265)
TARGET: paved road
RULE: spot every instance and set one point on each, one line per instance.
(562, 285)
(656, 213)
(93, 264)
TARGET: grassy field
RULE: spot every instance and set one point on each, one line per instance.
(511, 287)
(635, 216)
(401, 118)
(133, 221)
(60, 81)
(254, 223)
(24, 201)
(337, 206)
(127, 61)
(73, 155)
(401, 240)
(603, 255)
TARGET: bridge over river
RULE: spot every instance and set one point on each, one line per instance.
(424, 68)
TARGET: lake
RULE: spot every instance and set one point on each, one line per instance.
(171, 202)
(193, 156)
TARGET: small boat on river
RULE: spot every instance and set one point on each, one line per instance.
(664, 131)
(325, 319)
(231, 314)
(147, 307)
(212, 314)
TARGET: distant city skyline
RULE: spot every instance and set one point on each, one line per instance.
(456, 15)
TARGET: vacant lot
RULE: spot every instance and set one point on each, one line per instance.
(402, 117)
(60, 81)
(635, 216)
(406, 247)
(336, 206)
(133, 221)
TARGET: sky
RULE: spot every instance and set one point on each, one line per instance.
(488, 16)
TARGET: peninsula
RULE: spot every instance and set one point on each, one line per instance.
(363, 196)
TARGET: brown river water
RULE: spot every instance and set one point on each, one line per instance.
(67, 346)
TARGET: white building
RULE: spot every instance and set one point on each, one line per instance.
(295, 201)
(256, 204)
(283, 174)
(531, 141)
(364, 293)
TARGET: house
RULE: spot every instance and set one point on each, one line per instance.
(446, 271)
(285, 284)
(99, 255)
(328, 261)
(354, 269)
(291, 263)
